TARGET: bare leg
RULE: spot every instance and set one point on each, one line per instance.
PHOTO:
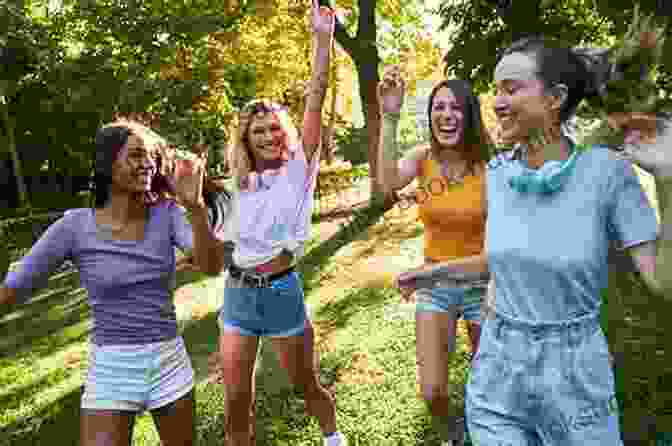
(238, 354)
(435, 339)
(175, 422)
(297, 356)
(106, 427)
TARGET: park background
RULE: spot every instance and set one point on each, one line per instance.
(184, 68)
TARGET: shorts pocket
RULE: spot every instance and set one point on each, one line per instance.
(592, 370)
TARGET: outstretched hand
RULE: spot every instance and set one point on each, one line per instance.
(391, 90)
(654, 157)
(323, 19)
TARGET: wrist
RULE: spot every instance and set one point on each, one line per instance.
(323, 40)
(198, 209)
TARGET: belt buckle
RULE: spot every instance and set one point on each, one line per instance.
(257, 280)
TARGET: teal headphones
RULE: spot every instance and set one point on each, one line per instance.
(545, 180)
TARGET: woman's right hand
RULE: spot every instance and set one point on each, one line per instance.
(391, 90)
(403, 282)
(407, 295)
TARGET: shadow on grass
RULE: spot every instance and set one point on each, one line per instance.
(335, 315)
(317, 258)
(54, 318)
(57, 423)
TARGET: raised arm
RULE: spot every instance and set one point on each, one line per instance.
(323, 21)
(392, 174)
(209, 253)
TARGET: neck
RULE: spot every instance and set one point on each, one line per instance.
(263, 164)
(126, 207)
(453, 156)
(556, 147)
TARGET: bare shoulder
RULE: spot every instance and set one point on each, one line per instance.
(418, 153)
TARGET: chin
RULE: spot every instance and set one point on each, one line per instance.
(449, 143)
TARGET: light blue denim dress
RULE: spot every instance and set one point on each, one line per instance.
(542, 374)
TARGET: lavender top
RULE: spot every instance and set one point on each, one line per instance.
(129, 283)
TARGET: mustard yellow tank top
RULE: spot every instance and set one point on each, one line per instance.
(452, 214)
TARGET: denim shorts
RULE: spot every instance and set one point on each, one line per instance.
(542, 384)
(137, 377)
(465, 300)
(274, 311)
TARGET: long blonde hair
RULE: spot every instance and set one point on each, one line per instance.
(240, 156)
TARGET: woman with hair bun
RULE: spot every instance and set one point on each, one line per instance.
(542, 374)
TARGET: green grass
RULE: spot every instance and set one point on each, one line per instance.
(371, 367)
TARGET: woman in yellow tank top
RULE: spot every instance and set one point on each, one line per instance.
(451, 172)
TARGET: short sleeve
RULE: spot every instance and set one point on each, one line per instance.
(51, 250)
(181, 233)
(630, 218)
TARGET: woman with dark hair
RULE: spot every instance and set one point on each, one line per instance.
(542, 374)
(451, 173)
(124, 251)
(274, 171)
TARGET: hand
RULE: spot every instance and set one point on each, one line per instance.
(654, 157)
(185, 264)
(391, 90)
(407, 295)
(323, 19)
(188, 180)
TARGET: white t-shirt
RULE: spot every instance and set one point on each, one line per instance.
(276, 216)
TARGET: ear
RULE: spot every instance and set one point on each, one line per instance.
(558, 94)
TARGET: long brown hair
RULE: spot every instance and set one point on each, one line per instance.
(109, 141)
(475, 137)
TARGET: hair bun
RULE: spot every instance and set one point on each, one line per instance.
(599, 68)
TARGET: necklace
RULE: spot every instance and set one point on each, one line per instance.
(453, 178)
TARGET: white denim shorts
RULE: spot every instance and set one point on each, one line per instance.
(137, 377)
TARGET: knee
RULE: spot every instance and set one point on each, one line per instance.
(238, 397)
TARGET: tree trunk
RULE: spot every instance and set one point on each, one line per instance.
(328, 140)
(16, 161)
(363, 51)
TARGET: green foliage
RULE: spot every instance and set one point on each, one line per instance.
(88, 62)
(352, 144)
(479, 32)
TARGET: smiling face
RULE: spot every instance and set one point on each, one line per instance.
(135, 167)
(447, 118)
(521, 104)
(265, 136)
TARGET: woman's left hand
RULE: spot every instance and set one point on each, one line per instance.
(654, 157)
(188, 178)
(323, 19)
